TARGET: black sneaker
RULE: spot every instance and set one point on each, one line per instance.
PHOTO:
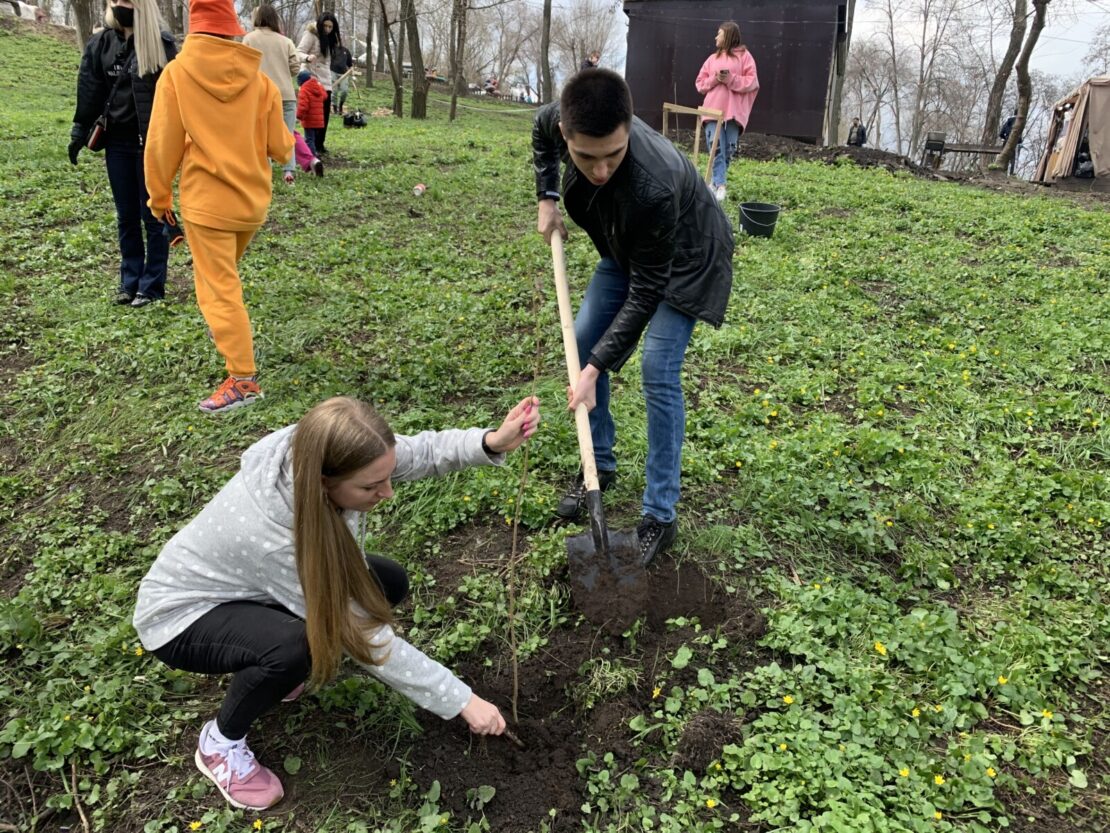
(142, 300)
(123, 298)
(655, 537)
(573, 503)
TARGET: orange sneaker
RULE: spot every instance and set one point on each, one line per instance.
(233, 393)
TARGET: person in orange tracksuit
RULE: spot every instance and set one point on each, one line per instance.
(219, 120)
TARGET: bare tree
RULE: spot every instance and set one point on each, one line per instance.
(547, 83)
(394, 66)
(86, 16)
(1097, 59)
(419, 80)
(1024, 84)
(993, 115)
(579, 29)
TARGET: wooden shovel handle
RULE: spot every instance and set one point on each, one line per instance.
(574, 368)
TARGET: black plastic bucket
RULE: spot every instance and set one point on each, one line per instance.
(758, 218)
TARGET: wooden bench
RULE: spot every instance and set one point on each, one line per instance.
(702, 113)
(936, 147)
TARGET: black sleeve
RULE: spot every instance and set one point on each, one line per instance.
(650, 259)
(169, 45)
(547, 150)
(92, 89)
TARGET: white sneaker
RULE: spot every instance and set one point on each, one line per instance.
(719, 193)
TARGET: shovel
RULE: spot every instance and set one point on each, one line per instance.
(607, 580)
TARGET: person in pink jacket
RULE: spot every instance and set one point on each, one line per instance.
(729, 82)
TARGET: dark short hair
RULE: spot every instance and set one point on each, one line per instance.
(595, 103)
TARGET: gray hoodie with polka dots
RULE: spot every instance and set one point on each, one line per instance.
(240, 548)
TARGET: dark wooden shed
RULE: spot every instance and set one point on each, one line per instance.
(799, 46)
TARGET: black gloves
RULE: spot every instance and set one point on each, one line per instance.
(75, 146)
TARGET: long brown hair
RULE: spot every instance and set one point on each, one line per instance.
(732, 38)
(335, 439)
(265, 15)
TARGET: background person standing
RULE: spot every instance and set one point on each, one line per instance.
(280, 62)
(118, 74)
(317, 46)
(729, 82)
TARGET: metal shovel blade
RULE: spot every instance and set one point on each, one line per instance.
(608, 583)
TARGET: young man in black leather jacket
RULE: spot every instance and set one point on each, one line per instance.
(666, 263)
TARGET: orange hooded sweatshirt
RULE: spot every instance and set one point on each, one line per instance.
(219, 120)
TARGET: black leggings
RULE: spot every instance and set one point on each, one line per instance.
(264, 646)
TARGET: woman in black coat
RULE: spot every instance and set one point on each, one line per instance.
(118, 72)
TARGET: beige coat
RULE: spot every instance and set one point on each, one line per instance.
(280, 58)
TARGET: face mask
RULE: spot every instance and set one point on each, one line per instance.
(124, 16)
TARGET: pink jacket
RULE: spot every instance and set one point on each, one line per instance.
(737, 96)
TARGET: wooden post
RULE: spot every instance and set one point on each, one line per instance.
(713, 151)
(702, 113)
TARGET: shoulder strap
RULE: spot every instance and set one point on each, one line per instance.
(126, 69)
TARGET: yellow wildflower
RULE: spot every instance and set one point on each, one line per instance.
(938, 815)
(991, 773)
(195, 825)
(915, 713)
(880, 648)
(904, 772)
(782, 747)
(655, 692)
(938, 708)
(938, 780)
(138, 650)
(710, 803)
(1047, 714)
(1002, 679)
(788, 699)
(257, 824)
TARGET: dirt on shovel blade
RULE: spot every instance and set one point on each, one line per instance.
(610, 590)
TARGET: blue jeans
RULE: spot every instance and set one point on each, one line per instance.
(139, 270)
(730, 138)
(664, 351)
(289, 113)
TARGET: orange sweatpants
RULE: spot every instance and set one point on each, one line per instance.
(216, 254)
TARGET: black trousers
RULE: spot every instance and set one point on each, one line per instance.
(322, 133)
(264, 646)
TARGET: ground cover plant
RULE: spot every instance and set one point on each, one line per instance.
(888, 607)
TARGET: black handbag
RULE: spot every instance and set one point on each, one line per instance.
(98, 135)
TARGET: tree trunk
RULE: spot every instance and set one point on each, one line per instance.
(394, 67)
(86, 15)
(548, 90)
(379, 64)
(402, 23)
(458, 52)
(832, 126)
(419, 109)
(369, 44)
(998, 90)
(1024, 85)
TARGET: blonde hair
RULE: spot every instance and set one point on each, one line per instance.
(150, 52)
(335, 439)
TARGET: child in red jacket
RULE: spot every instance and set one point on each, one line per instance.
(310, 108)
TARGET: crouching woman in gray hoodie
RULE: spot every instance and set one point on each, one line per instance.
(269, 582)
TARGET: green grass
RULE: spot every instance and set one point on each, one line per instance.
(898, 443)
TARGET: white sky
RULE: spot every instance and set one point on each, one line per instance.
(1062, 45)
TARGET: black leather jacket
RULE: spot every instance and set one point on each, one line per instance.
(99, 66)
(656, 217)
